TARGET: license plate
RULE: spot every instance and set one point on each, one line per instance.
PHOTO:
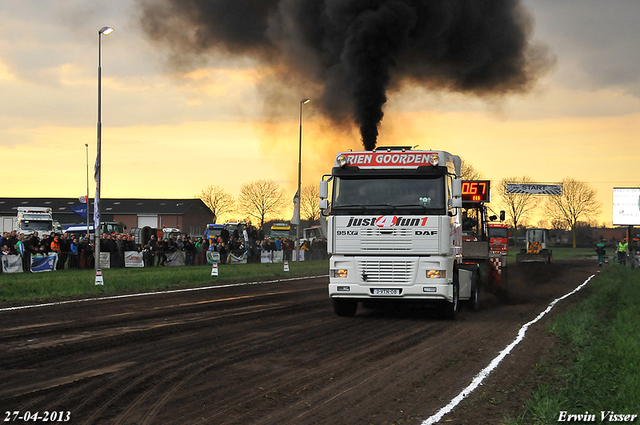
(386, 292)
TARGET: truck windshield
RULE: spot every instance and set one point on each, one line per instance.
(498, 232)
(27, 216)
(112, 228)
(536, 235)
(377, 195)
(37, 226)
(214, 231)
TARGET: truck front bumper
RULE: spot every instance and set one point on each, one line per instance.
(392, 278)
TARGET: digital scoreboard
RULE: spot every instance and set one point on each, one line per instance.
(477, 191)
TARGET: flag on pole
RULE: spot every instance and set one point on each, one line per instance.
(296, 209)
(82, 199)
(81, 210)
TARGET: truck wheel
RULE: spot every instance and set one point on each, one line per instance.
(344, 308)
(450, 310)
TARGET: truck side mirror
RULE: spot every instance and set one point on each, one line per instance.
(324, 204)
(456, 202)
(502, 215)
(457, 189)
(323, 190)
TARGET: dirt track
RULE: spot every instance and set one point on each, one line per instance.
(272, 354)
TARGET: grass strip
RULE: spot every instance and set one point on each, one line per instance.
(48, 286)
(596, 367)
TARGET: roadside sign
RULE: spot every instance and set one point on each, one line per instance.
(286, 266)
(99, 280)
(214, 269)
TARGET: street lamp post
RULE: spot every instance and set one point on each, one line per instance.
(96, 201)
(302, 102)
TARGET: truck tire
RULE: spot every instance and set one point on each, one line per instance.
(450, 310)
(344, 307)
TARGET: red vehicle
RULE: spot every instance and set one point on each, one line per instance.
(482, 240)
(498, 238)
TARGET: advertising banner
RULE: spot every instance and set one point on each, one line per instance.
(265, 257)
(278, 256)
(389, 159)
(235, 259)
(43, 263)
(105, 260)
(11, 264)
(626, 206)
(176, 258)
(133, 259)
(213, 257)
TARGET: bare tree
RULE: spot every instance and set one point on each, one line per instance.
(260, 199)
(467, 172)
(518, 206)
(218, 200)
(578, 201)
(309, 203)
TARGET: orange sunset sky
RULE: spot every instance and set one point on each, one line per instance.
(170, 132)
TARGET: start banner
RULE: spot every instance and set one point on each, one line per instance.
(535, 189)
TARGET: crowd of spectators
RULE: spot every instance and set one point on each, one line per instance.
(73, 251)
(77, 251)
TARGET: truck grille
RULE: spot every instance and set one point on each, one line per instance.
(386, 240)
(387, 271)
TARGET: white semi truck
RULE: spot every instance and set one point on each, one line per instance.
(394, 230)
(35, 219)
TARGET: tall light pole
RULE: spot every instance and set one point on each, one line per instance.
(302, 102)
(98, 173)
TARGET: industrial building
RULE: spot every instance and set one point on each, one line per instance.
(191, 216)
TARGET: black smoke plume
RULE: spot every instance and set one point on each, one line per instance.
(356, 51)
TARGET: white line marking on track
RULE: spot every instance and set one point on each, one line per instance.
(494, 363)
(142, 294)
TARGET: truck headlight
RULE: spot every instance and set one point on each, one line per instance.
(433, 274)
(342, 160)
(338, 273)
